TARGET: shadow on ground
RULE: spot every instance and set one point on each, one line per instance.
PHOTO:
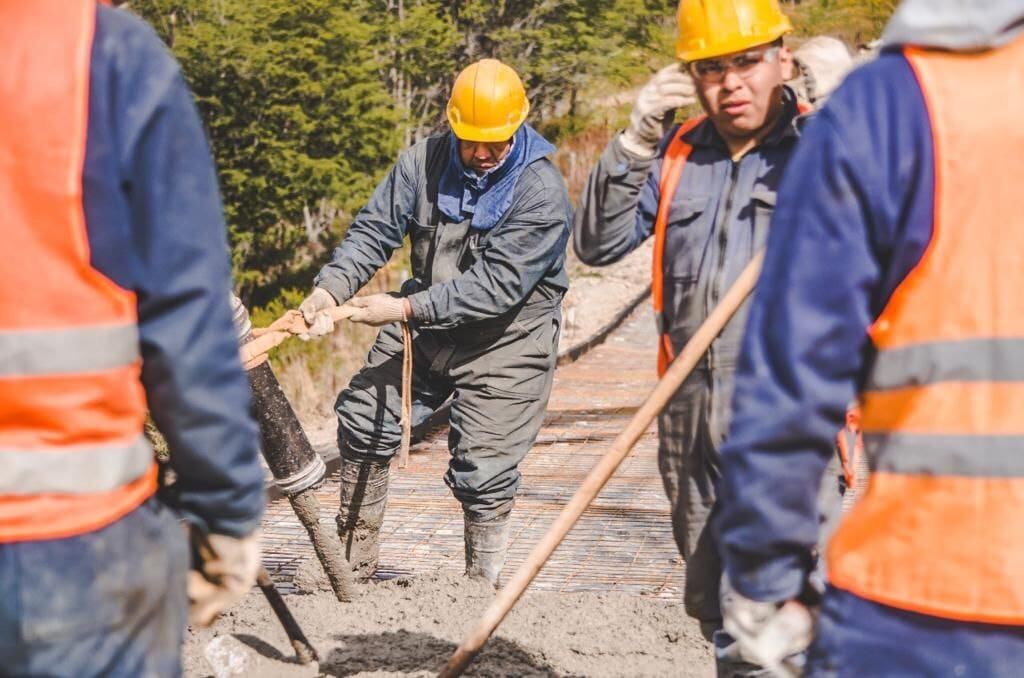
(264, 648)
(405, 652)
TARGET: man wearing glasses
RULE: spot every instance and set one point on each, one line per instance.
(725, 166)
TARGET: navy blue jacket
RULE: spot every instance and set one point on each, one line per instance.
(854, 216)
(155, 227)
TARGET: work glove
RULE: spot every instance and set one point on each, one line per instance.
(223, 570)
(767, 633)
(313, 309)
(378, 309)
(669, 89)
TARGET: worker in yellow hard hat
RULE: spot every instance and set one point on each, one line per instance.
(487, 215)
(705, 190)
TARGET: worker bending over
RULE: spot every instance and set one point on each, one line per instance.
(487, 215)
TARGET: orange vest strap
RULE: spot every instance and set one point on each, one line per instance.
(676, 155)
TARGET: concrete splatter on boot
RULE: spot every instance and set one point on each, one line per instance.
(364, 495)
(486, 545)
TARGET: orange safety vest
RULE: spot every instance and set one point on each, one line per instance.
(72, 455)
(676, 154)
(939, 530)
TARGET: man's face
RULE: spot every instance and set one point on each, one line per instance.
(742, 92)
(481, 156)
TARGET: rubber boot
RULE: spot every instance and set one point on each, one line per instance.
(364, 495)
(486, 545)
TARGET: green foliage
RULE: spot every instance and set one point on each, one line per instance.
(308, 101)
(296, 114)
(855, 21)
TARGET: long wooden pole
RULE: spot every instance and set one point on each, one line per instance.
(677, 372)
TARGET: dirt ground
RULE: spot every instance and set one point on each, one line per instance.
(596, 295)
(409, 627)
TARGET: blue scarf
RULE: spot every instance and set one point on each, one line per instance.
(463, 193)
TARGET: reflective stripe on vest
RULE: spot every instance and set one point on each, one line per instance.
(68, 351)
(676, 154)
(72, 407)
(82, 470)
(939, 529)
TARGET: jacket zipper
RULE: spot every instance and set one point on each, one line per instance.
(723, 243)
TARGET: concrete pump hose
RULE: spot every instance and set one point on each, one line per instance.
(263, 339)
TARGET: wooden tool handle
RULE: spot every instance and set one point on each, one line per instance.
(677, 372)
(288, 325)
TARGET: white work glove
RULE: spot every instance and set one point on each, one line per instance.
(669, 89)
(313, 309)
(225, 571)
(767, 633)
(378, 309)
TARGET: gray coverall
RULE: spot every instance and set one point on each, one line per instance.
(486, 319)
(718, 219)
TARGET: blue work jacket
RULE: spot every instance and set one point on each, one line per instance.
(718, 219)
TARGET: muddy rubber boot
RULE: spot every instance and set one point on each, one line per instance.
(364, 495)
(486, 544)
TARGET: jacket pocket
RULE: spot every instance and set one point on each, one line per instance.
(689, 227)
(422, 239)
(684, 307)
(763, 203)
(476, 244)
(685, 210)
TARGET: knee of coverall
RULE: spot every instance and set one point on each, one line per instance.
(369, 417)
(499, 407)
(858, 637)
(686, 462)
(106, 603)
(490, 435)
(369, 410)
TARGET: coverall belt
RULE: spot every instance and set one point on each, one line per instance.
(68, 351)
(73, 470)
(985, 359)
(991, 456)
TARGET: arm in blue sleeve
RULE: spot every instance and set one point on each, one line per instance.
(195, 385)
(803, 351)
(519, 253)
(378, 230)
(617, 208)
(855, 215)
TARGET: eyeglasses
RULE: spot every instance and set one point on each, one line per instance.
(712, 71)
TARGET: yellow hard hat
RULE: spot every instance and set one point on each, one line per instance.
(711, 28)
(488, 102)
